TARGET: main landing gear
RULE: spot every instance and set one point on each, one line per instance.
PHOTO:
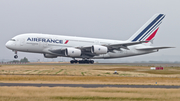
(82, 61)
(15, 56)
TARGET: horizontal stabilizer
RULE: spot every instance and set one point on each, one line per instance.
(152, 48)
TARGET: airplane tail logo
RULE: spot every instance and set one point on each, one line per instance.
(149, 29)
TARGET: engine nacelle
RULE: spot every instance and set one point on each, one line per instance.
(97, 49)
(72, 52)
(50, 56)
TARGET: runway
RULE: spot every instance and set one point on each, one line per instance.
(87, 85)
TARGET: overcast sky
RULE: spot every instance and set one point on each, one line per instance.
(109, 19)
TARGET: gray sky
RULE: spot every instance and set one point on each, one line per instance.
(109, 19)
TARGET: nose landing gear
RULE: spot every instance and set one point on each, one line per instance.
(15, 56)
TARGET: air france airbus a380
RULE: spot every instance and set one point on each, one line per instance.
(52, 46)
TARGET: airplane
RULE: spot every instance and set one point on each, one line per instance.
(53, 46)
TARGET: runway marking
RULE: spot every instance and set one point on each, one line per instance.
(88, 85)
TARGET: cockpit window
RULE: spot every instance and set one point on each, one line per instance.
(12, 40)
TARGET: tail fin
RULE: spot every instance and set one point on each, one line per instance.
(149, 29)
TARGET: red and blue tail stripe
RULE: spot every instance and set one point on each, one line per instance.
(149, 29)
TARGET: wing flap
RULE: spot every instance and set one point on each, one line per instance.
(127, 43)
(123, 45)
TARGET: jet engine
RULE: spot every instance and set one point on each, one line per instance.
(50, 56)
(72, 52)
(97, 49)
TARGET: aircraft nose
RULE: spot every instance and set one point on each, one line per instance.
(8, 44)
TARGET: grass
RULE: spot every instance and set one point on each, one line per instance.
(39, 72)
(91, 70)
(82, 73)
(100, 74)
(124, 74)
(167, 71)
(90, 79)
(87, 94)
(107, 73)
(65, 73)
(100, 98)
(162, 72)
(119, 69)
(59, 71)
(88, 74)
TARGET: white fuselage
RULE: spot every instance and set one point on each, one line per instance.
(42, 43)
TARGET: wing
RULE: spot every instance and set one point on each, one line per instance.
(86, 50)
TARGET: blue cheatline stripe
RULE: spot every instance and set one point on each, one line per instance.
(152, 23)
(151, 32)
(152, 28)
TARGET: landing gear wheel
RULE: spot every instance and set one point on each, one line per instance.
(15, 56)
(86, 61)
(75, 61)
(72, 61)
(82, 61)
(91, 61)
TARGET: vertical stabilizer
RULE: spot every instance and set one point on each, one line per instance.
(149, 29)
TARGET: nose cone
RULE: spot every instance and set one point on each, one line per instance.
(8, 44)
